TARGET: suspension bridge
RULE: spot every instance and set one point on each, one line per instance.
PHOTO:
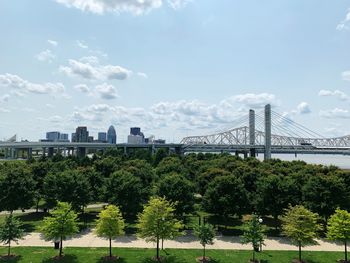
(268, 132)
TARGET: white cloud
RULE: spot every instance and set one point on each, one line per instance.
(176, 4)
(303, 108)
(91, 69)
(255, 100)
(82, 44)
(336, 93)
(106, 91)
(52, 42)
(46, 56)
(335, 114)
(83, 88)
(15, 82)
(143, 75)
(4, 98)
(344, 25)
(346, 75)
(136, 7)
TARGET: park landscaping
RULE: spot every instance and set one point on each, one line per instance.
(94, 255)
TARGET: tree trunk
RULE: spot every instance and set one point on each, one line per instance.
(299, 251)
(110, 247)
(37, 205)
(346, 250)
(253, 255)
(9, 249)
(162, 243)
(61, 243)
(157, 248)
(204, 260)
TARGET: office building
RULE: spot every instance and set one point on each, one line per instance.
(74, 137)
(136, 136)
(102, 137)
(64, 137)
(111, 135)
(53, 136)
(81, 134)
(135, 131)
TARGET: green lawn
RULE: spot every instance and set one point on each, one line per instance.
(94, 255)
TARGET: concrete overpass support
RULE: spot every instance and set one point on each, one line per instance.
(267, 132)
(29, 153)
(50, 152)
(252, 133)
(81, 152)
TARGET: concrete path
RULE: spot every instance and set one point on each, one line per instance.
(88, 239)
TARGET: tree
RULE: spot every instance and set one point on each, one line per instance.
(110, 224)
(178, 190)
(339, 228)
(205, 233)
(126, 191)
(205, 178)
(300, 225)
(60, 225)
(157, 222)
(225, 196)
(253, 233)
(10, 230)
(16, 178)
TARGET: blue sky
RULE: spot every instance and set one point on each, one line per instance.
(173, 67)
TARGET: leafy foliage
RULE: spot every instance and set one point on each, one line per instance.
(10, 231)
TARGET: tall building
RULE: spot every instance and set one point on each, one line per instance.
(136, 136)
(102, 137)
(81, 134)
(111, 135)
(74, 137)
(53, 136)
(135, 131)
(64, 137)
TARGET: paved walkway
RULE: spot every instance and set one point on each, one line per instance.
(88, 239)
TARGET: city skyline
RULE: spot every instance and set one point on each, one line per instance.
(174, 68)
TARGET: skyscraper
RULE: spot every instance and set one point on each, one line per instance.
(81, 134)
(111, 135)
(102, 137)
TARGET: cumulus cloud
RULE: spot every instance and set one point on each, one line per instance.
(52, 42)
(89, 68)
(15, 82)
(303, 108)
(344, 25)
(336, 93)
(106, 91)
(82, 44)
(176, 4)
(83, 88)
(346, 75)
(135, 7)
(46, 56)
(255, 100)
(335, 114)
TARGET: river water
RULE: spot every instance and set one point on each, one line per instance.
(342, 161)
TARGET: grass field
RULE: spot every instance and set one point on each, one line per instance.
(94, 255)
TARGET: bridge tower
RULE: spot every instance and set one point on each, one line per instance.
(252, 132)
(267, 132)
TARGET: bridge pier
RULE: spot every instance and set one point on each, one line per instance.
(252, 133)
(267, 132)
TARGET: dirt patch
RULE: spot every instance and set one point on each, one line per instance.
(203, 260)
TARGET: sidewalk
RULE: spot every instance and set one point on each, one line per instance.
(88, 239)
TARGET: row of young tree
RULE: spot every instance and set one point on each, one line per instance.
(221, 184)
(158, 222)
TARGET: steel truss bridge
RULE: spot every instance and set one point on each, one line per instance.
(264, 132)
(270, 133)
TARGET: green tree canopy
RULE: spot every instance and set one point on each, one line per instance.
(205, 233)
(157, 222)
(126, 191)
(10, 231)
(225, 196)
(339, 228)
(300, 226)
(110, 224)
(178, 190)
(253, 233)
(17, 187)
(61, 224)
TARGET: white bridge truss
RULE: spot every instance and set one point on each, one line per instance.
(240, 136)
